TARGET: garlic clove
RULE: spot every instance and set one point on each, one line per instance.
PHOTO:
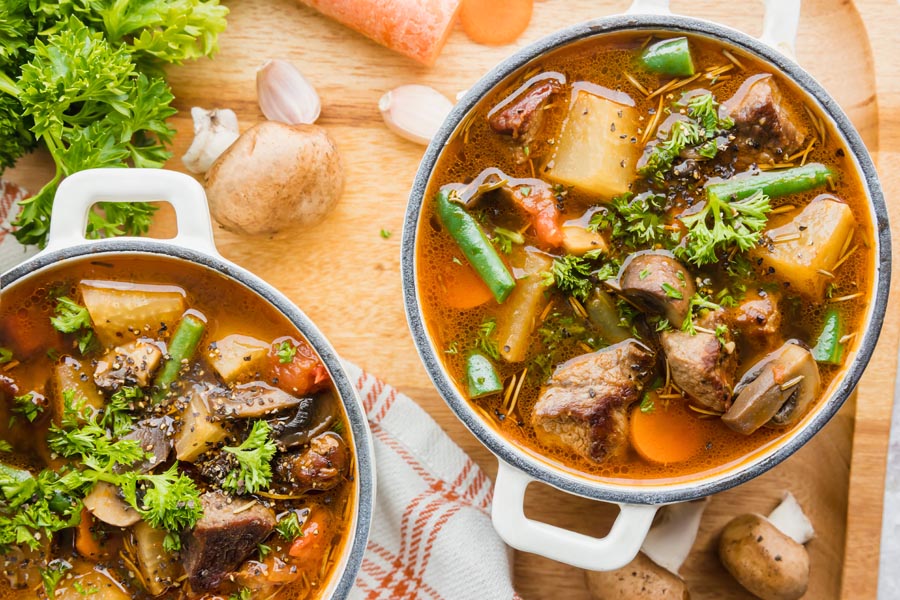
(285, 95)
(414, 112)
(214, 131)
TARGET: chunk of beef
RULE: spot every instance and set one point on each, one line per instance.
(762, 119)
(702, 365)
(521, 117)
(759, 319)
(658, 283)
(320, 467)
(584, 407)
(221, 540)
(131, 364)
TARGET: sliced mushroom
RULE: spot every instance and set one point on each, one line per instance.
(251, 401)
(105, 504)
(313, 417)
(777, 391)
(657, 283)
(154, 436)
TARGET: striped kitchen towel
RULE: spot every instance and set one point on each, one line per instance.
(432, 536)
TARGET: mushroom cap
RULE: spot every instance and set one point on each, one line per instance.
(764, 560)
(777, 391)
(656, 282)
(641, 578)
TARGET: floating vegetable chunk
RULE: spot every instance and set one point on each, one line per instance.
(805, 250)
(597, 148)
(121, 312)
(237, 355)
(669, 57)
(475, 245)
(523, 308)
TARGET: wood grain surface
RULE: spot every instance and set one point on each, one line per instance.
(345, 276)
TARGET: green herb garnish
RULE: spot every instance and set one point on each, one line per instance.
(254, 471)
(286, 352)
(289, 527)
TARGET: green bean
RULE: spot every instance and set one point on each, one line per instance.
(181, 349)
(669, 57)
(475, 245)
(481, 376)
(771, 183)
(828, 348)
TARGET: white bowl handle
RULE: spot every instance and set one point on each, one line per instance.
(616, 550)
(79, 192)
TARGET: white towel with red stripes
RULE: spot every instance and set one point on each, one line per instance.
(432, 537)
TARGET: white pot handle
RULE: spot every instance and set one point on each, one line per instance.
(616, 550)
(649, 7)
(780, 21)
(80, 191)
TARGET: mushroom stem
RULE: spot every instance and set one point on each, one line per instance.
(214, 131)
(670, 540)
(789, 518)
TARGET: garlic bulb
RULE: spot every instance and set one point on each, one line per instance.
(414, 112)
(214, 131)
(285, 95)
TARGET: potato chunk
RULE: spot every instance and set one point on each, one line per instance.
(812, 242)
(523, 307)
(72, 374)
(121, 312)
(161, 569)
(236, 354)
(595, 151)
(198, 431)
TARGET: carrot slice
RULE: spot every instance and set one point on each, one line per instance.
(463, 288)
(495, 22)
(666, 434)
(85, 542)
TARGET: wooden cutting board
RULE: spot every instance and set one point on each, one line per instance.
(346, 276)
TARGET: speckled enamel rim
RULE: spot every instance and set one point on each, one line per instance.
(354, 547)
(704, 485)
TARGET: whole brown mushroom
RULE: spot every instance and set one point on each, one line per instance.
(275, 177)
(653, 573)
(767, 555)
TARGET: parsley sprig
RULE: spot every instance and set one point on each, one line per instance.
(577, 275)
(33, 506)
(635, 222)
(71, 317)
(84, 78)
(721, 225)
(253, 455)
(698, 129)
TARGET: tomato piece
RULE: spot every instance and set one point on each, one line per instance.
(295, 367)
(317, 535)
